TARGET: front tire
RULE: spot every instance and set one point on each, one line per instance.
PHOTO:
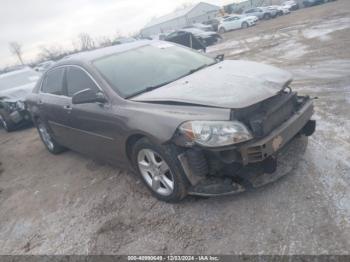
(7, 123)
(267, 16)
(244, 25)
(47, 138)
(160, 170)
(222, 30)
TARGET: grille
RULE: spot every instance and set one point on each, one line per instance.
(265, 116)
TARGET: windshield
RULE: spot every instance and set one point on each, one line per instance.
(136, 70)
(18, 78)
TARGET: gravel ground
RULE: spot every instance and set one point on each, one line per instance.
(70, 204)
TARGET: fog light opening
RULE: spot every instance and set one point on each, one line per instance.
(270, 165)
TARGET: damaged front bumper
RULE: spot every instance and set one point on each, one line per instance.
(253, 164)
(17, 112)
(19, 117)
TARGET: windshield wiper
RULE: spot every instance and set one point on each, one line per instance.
(196, 69)
(147, 89)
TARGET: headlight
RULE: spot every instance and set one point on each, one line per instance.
(20, 105)
(215, 133)
(11, 106)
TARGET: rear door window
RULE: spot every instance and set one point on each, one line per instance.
(78, 80)
(53, 82)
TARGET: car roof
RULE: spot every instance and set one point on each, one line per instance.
(192, 29)
(88, 56)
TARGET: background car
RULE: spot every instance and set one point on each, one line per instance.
(214, 23)
(206, 37)
(14, 87)
(308, 3)
(236, 22)
(261, 12)
(201, 27)
(281, 10)
(42, 67)
(291, 5)
(186, 38)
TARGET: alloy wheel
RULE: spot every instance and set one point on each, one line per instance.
(155, 172)
(46, 136)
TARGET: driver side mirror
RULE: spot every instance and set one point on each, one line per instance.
(88, 96)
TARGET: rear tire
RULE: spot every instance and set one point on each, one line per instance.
(160, 170)
(244, 25)
(46, 137)
(6, 122)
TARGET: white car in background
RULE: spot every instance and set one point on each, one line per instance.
(291, 5)
(235, 22)
(281, 10)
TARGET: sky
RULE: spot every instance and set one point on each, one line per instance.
(38, 23)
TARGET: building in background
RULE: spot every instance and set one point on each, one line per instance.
(198, 13)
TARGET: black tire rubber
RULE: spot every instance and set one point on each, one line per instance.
(10, 126)
(244, 25)
(169, 155)
(57, 148)
(267, 16)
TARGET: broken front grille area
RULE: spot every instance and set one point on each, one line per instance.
(265, 116)
(255, 154)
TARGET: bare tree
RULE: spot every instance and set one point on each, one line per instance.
(104, 41)
(16, 49)
(86, 42)
(50, 53)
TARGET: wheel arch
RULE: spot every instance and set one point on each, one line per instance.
(130, 142)
(133, 138)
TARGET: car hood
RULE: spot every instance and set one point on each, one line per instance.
(17, 93)
(229, 84)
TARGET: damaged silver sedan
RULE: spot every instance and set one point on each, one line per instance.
(185, 122)
(14, 87)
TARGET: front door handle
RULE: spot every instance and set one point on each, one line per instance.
(40, 102)
(68, 108)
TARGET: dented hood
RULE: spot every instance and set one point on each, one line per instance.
(17, 93)
(229, 84)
